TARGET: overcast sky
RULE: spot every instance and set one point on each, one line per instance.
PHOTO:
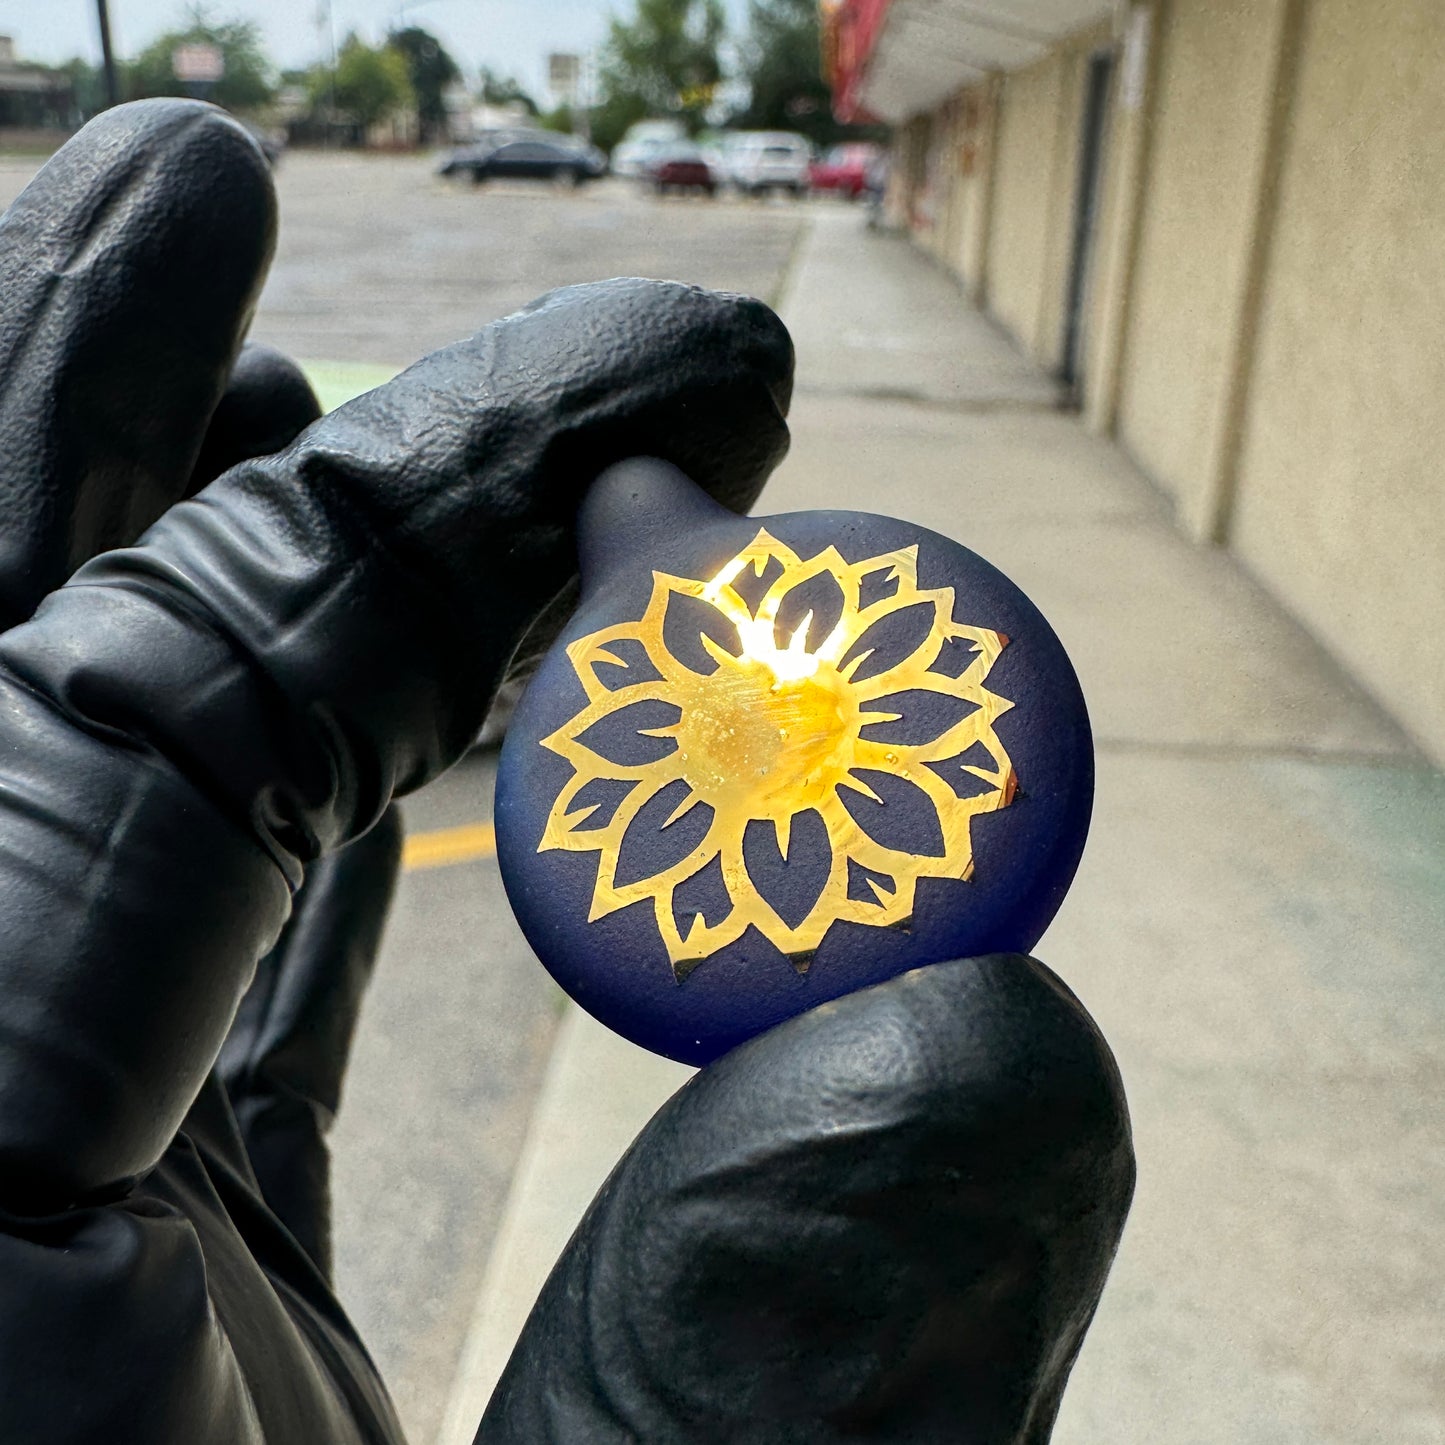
(512, 36)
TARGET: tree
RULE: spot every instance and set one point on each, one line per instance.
(87, 87)
(494, 89)
(431, 70)
(662, 62)
(245, 84)
(370, 83)
(782, 60)
(561, 119)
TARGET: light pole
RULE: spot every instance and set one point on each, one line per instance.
(326, 37)
(107, 55)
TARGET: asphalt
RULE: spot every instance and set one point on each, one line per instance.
(380, 261)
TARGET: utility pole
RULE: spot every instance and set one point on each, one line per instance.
(107, 55)
(326, 31)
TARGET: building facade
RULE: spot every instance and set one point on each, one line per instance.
(33, 97)
(1222, 222)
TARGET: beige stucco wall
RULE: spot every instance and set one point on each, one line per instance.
(977, 152)
(1025, 184)
(936, 221)
(908, 171)
(1341, 493)
(1116, 242)
(948, 145)
(960, 168)
(1214, 77)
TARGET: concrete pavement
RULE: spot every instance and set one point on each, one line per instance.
(1256, 924)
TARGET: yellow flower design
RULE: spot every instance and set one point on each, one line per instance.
(774, 723)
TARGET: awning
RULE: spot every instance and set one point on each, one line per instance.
(898, 58)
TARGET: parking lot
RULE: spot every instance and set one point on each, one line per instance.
(381, 261)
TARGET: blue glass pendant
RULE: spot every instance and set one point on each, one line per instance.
(773, 760)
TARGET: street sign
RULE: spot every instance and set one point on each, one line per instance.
(198, 63)
(563, 74)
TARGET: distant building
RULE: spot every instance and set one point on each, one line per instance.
(485, 118)
(33, 97)
(1224, 225)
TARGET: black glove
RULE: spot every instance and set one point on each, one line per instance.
(128, 272)
(312, 634)
(890, 1215)
(888, 1219)
(267, 404)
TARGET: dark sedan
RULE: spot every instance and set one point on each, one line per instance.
(557, 159)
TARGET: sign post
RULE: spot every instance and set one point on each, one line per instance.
(107, 54)
(198, 66)
(564, 80)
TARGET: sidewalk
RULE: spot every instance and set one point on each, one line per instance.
(1254, 925)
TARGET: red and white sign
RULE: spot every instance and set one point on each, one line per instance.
(198, 62)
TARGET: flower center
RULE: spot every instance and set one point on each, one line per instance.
(757, 739)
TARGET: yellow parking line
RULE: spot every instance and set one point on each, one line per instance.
(337, 382)
(442, 847)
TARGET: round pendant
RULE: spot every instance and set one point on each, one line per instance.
(773, 760)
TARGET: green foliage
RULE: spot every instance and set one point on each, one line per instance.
(430, 70)
(662, 62)
(504, 90)
(561, 119)
(246, 85)
(87, 87)
(612, 117)
(782, 60)
(370, 82)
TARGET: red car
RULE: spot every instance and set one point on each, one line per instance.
(682, 168)
(844, 170)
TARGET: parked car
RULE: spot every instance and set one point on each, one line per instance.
(769, 160)
(642, 144)
(682, 168)
(459, 160)
(545, 157)
(844, 170)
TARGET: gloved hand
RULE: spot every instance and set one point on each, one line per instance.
(309, 636)
(888, 1219)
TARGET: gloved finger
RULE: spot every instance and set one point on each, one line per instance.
(129, 268)
(286, 1054)
(734, 442)
(267, 404)
(889, 1219)
(378, 573)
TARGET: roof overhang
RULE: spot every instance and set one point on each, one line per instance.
(919, 52)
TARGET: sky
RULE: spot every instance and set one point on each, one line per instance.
(513, 37)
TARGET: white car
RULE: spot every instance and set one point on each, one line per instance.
(769, 160)
(644, 142)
